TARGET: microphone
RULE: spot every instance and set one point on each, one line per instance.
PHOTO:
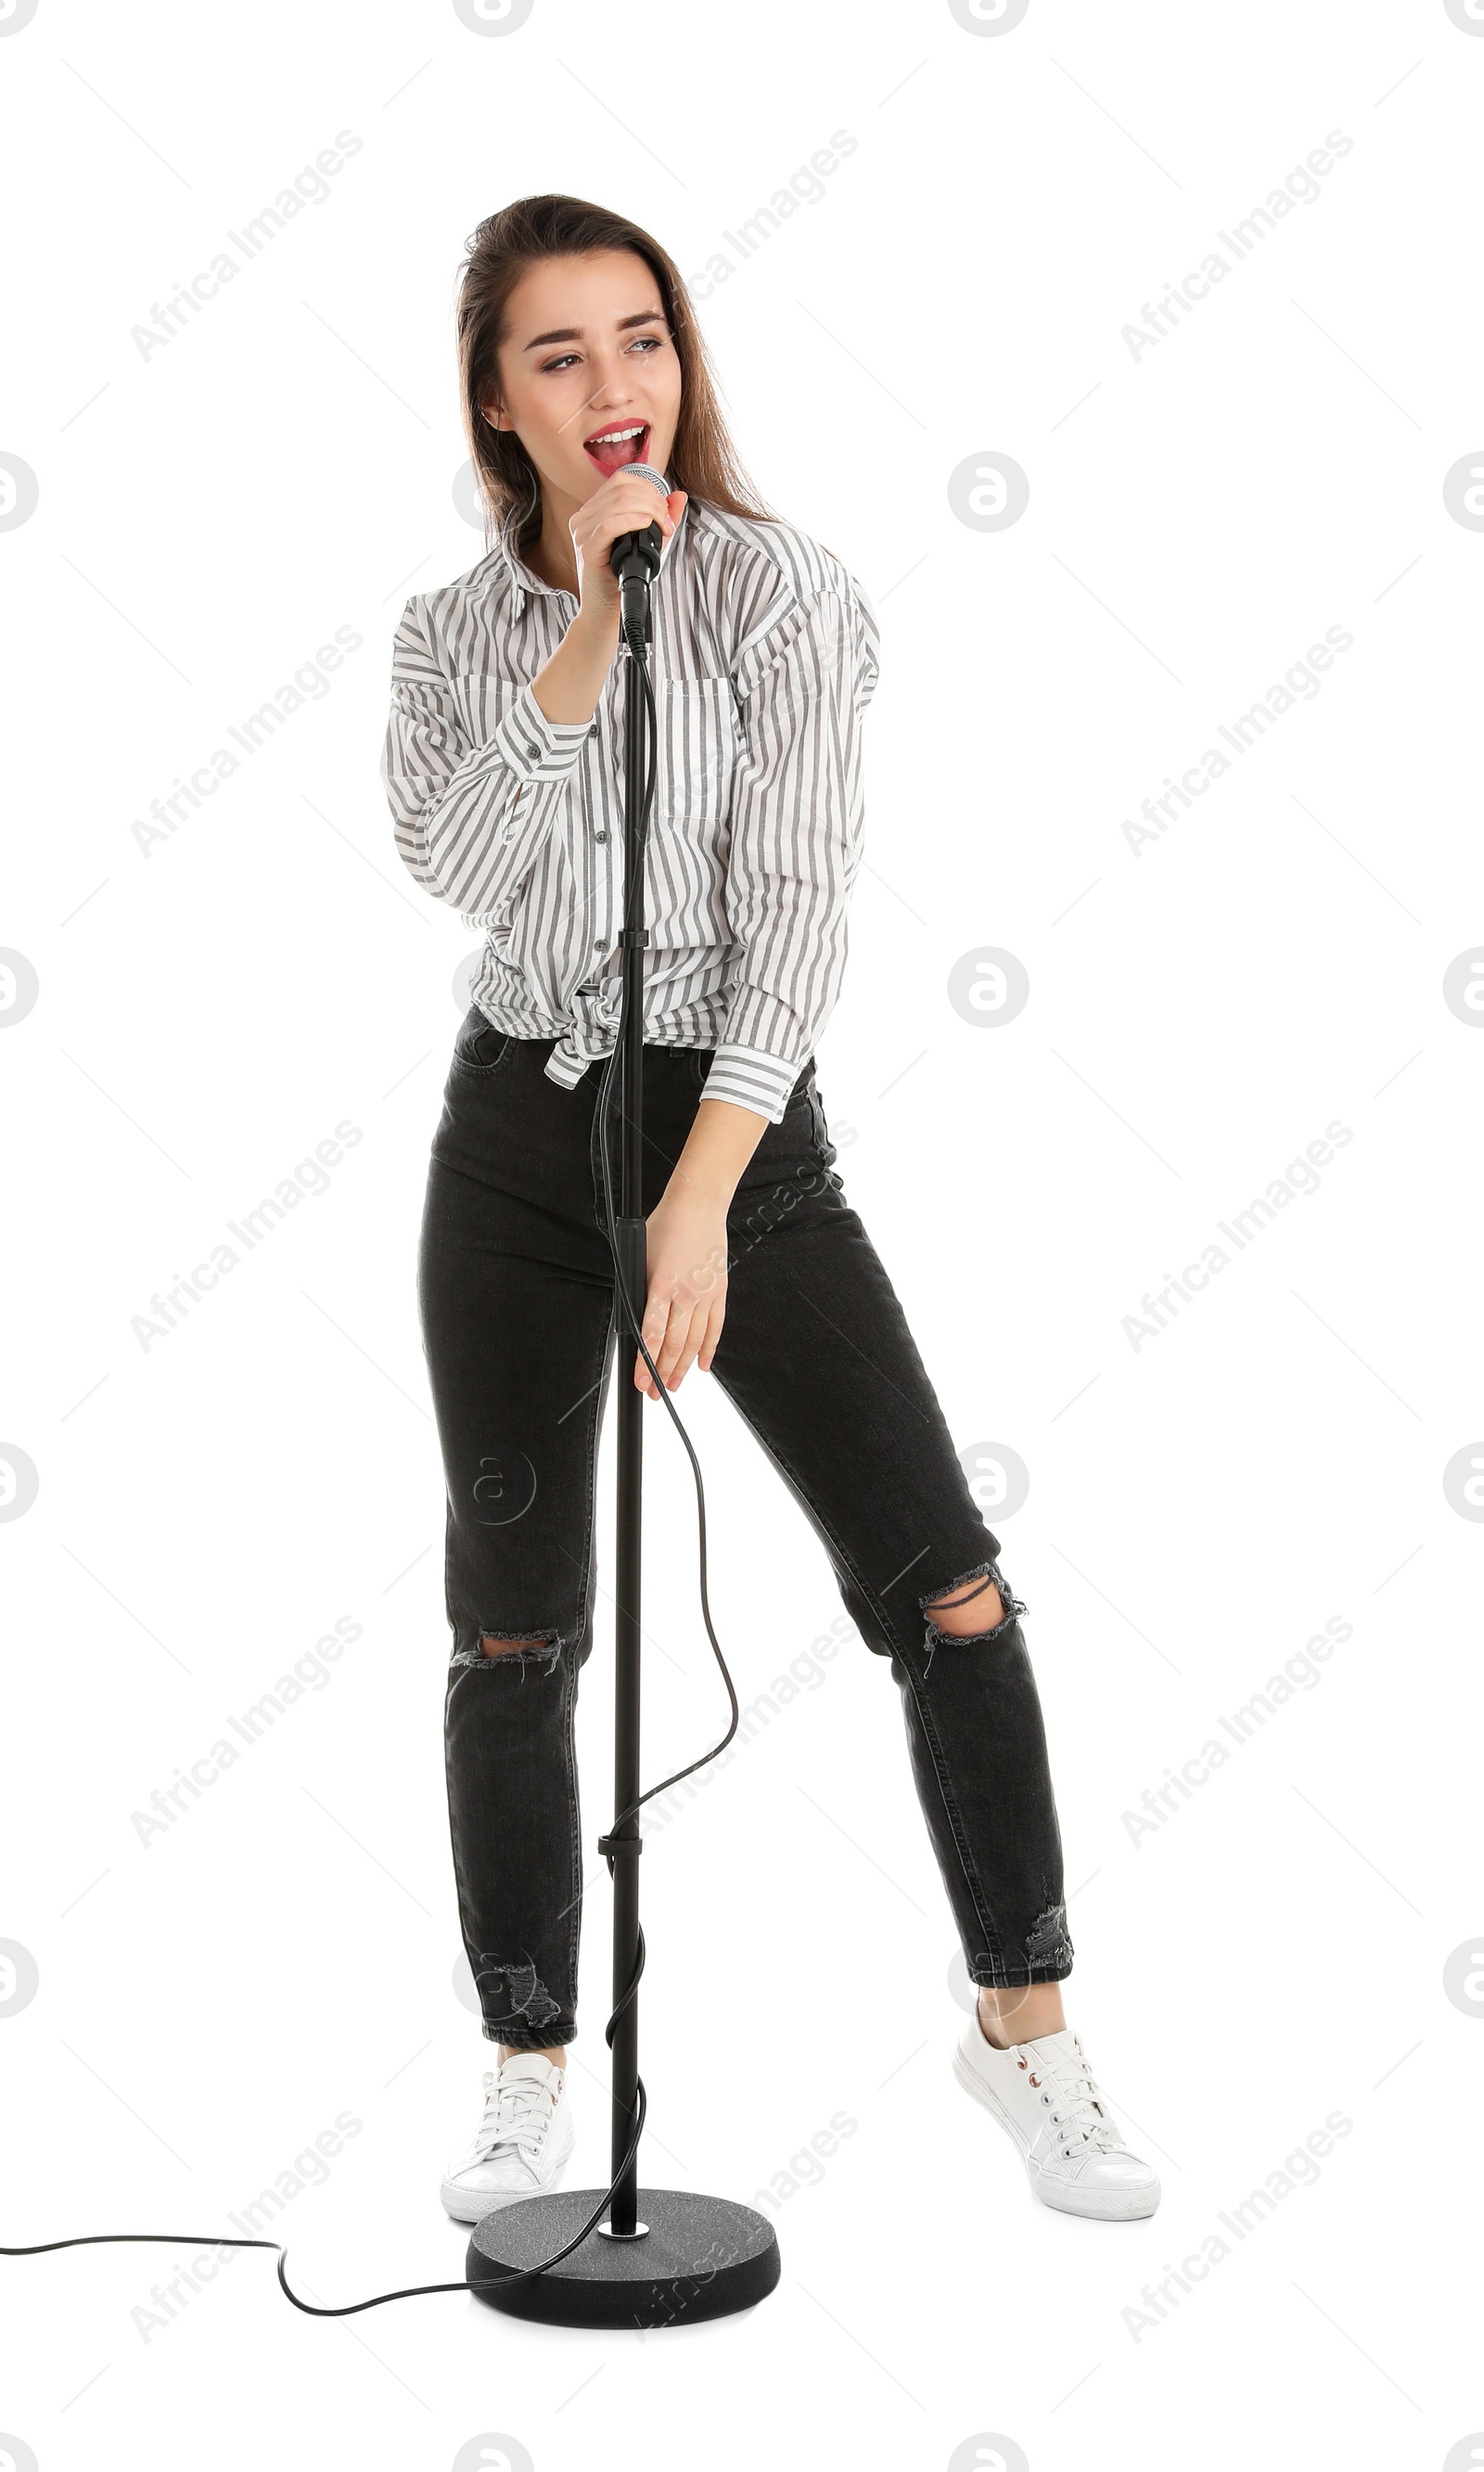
(635, 554)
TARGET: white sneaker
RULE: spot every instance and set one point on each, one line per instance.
(1046, 2095)
(522, 2143)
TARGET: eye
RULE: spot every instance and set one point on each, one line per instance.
(647, 343)
(561, 362)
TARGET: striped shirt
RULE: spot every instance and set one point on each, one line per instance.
(764, 660)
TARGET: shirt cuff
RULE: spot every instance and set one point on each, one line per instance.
(748, 1078)
(535, 748)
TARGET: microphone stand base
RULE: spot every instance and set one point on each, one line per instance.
(699, 2257)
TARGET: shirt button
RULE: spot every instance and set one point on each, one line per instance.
(600, 837)
(594, 732)
(533, 752)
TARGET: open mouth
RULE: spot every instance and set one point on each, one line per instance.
(623, 442)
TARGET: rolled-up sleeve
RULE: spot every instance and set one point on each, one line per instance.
(797, 833)
(469, 819)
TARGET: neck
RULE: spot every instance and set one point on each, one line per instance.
(551, 554)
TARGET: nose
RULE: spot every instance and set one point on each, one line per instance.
(610, 376)
(607, 395)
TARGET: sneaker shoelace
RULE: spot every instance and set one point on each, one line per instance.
(1078, 2110)
(517, 2113)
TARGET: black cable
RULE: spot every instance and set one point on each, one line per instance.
(636, 1315)
(414, 2292)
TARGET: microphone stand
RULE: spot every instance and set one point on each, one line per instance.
(660, 2256)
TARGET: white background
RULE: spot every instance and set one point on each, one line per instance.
(1200, 1505)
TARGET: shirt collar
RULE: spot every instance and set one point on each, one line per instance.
(525, 579)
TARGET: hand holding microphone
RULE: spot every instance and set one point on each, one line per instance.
(633, 511)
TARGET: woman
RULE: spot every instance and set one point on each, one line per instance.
(578, 356)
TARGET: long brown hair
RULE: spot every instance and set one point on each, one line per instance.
(703, 460)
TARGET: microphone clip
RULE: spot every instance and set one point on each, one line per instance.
(636, 561)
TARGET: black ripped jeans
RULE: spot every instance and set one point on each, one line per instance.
(517, 1304)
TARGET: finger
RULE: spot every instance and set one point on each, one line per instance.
(694, 1335)
(663, 1329)
(652, 1329)
(622, 504)
(626, 489)
(715, 1318)
(682, 1312)
(641, 1376)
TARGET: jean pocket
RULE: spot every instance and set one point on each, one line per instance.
(805, 1111)
(828, 1153)
(479, 1046)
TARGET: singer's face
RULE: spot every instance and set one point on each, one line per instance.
(590, 379)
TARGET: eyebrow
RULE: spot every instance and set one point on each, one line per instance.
(573, 334)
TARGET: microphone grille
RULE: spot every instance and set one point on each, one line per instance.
(647, 472)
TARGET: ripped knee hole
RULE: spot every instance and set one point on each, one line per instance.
(988, 1612)
(501, 1644)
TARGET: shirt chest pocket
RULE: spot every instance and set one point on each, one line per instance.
(482, 701)
(700, 743)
